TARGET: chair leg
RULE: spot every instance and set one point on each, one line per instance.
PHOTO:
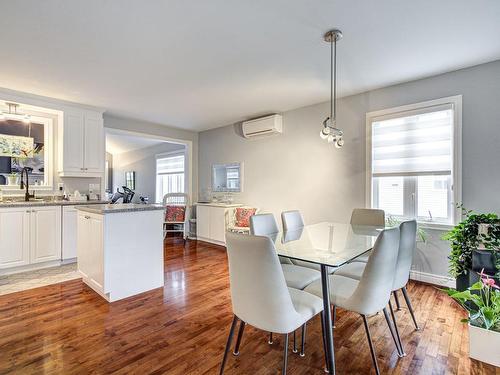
(285, 355)
(372, 349)
(410, 307)
(334, 315)
(396, 342)
(395, 293)
(324, 341)
(303, 341)
(238, 339)
(402, 352)
(270, 342)
(228, 344)
(294, 350)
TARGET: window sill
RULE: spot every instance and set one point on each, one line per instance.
(15, 188)
(435, 226)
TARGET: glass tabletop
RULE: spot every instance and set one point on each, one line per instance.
(327, 243)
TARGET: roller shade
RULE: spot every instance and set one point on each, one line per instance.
(171, 164)
(415, 144)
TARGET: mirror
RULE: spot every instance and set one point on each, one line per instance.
(227, 177)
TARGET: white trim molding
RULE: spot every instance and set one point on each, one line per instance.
(430, 278)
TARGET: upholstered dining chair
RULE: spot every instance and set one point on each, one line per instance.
(367, 216)
(407, 244)
(372, 292)
(259, 294)
(296, 276)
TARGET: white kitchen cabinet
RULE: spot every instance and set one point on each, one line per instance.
(81, 144)
(91, 242)
(211, 221)
(29, 235)
(69, 224)
(45, 229)
(14, 237)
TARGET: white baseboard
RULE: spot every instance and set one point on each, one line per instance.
(433, 279)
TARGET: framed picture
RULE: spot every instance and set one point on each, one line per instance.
(130, 180)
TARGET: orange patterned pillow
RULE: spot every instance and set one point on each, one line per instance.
(242, 216)
(175, 213)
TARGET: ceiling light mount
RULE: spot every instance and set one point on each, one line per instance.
(330, 35)
(13, 114)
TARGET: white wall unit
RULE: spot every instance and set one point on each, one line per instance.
(69, 224)
(29, 235)
(81, 144)
(14, 237)
(211, 222)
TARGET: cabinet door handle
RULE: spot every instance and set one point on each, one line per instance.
(87, 217)
(28, 211)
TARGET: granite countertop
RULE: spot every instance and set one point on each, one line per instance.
(48, 202)
(103, 209)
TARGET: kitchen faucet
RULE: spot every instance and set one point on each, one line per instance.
(27, 195)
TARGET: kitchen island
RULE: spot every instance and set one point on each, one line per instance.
(120, 248)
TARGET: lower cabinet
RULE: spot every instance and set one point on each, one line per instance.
(69, 223)
(29, 235)
(90, 239)
(211, 222)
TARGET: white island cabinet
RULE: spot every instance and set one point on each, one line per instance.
(120, 248)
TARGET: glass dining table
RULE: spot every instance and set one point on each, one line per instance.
(326, 244)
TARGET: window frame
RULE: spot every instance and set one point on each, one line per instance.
(408, 110)
(166, 155)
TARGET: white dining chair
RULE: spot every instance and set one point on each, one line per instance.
(259, 294)
(296, 276)
(367, 217)
(372, 292)
(407, 245)
(292, 223)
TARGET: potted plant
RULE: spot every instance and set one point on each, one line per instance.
(482, 301)
(473, 232)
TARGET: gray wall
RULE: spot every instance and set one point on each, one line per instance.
(299, 170)
(143, 163)
(149, 128)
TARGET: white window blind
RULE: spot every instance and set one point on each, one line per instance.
(169, 175)
(417, 144)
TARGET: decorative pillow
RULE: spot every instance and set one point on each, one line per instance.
(175, 213)
(242, 216)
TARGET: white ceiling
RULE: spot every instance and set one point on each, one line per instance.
(203, 64)
(117, 142)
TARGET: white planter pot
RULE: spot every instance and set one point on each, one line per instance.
(13, 180)
(484, 345)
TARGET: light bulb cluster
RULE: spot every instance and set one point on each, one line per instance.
(331, 134)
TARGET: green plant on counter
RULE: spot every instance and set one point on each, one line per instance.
(391, 221)
(464, 238)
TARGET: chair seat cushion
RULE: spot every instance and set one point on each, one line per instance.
(242, 216)
(175, 213)
(299, 277)
(353, 270)
(306, 304)
(341, 289)
(313, 266)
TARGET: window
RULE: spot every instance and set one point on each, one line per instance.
(170, 177)
(414, 165)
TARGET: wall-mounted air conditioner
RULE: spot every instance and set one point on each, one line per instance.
(267, 125)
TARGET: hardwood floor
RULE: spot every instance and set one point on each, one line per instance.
(68, 329)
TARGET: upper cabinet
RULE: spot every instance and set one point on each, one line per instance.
(81, 144)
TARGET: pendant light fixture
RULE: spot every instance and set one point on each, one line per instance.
(12, 114)
(330, 132)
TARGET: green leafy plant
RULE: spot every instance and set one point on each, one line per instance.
(482, 301)
(464, 238)
(391, 221)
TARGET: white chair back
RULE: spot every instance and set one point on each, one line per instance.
(375, 286)
(181, 199)
(292, 220)
(259, 293)
(368, 216)
(263, 225)
(407, 244)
